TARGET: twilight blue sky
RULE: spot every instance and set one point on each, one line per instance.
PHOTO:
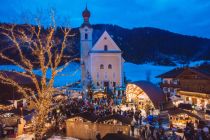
(191, 17)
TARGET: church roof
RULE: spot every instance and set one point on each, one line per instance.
(105, 35)
(96, 35)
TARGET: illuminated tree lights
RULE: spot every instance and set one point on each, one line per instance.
(48, 56)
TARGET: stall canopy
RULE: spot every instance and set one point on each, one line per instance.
(185, 106)
(175, 98)
(75, 95)
(177, 111)
(115, 136)
(154, 93)
(117, 117)
(16, 112)
(85, 115)
(99, 94)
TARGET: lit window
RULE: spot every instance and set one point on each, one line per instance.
(101, 66)
(105, 48)
(86, 36)
(109, 66)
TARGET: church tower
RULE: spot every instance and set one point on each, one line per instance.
(85, 45)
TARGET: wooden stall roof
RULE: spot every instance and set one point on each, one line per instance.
(17, 112)
(10, 121)
(5, 102)
(115, 136)
(177, 111)
(85, 115)
(118, 117)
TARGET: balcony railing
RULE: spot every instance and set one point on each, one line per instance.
(194, 90)
(174, 85)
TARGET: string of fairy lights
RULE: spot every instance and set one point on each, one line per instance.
(41, 47)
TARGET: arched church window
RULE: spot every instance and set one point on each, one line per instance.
(105, 48)
(86, 36)
(101, 66)
(109, 66)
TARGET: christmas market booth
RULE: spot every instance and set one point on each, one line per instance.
(179, 117)
(13, 121)
(114, 136)
(99, 95)
(146, 96)
(86, 125)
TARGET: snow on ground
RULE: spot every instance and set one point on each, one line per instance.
(149, 72)
(70, 74)
(197, 63)
(133, 72)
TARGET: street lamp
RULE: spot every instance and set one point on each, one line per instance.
(58, 111)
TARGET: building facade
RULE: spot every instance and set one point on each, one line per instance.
(102, 62)
(191, 84)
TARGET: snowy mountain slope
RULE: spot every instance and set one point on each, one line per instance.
(149, 71)
(139, 45)
(133, 72)
(70, 74)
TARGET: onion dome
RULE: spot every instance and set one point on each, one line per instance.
(86, 14)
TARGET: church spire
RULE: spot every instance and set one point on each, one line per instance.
(86, 14)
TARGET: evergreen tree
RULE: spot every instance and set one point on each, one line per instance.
(90, 85)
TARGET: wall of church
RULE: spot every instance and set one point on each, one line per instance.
(111, 74)
(111, 46)
(85, 47)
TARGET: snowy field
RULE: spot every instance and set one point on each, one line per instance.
(70, 74)
(133, 72)
(149, 71)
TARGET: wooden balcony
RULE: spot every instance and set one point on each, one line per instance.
(193, 92)
(172, 85)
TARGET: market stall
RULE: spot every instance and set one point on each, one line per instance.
(100, 94)
(145, 95)
(75, 95)
(85, 126)
(179, 117)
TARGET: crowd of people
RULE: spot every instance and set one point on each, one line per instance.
(104, 106)
(99, 107)
(200, 134)
(151, 133)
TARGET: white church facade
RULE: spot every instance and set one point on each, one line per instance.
(102, 62)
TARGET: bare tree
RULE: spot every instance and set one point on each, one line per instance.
(46, 55)
(148, 75)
